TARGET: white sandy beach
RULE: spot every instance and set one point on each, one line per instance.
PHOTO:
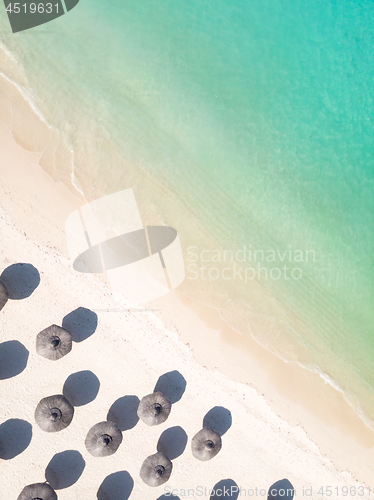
(285, 423)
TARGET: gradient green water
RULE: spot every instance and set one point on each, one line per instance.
(259, 115)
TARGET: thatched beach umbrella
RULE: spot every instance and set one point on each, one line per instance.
(206, 444)
(154, 409)
(38, 491)
(103, 439)
(53, 343)
(3, 295)
(54, 413)
(156, 469)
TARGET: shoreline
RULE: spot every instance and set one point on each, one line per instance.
(296, 394)
(27, 189)
(295, 333)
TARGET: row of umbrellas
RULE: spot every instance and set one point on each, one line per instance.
(280, 490)
(55, 342)
(155, 470)
(55, 413)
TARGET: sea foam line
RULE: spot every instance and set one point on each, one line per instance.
(335, 385)
(26, 94)
(29, 98)
(311, 368)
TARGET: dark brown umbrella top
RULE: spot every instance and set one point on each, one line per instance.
(53, 343)
(3, 295)
(103, 439)
(54, 413)
(38, 491)
(154, 409)
(206, 444)
(156, 469)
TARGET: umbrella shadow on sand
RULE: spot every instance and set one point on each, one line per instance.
(64, 469)
(123, 412)
(168, 497)
(20, 280)
(172, 384)
(218, 419)
(80, 323)
(281, 490)
(81, 388)
(15, 437)
(116, 486)
(225, 489)
(172, 442)
(13, 359)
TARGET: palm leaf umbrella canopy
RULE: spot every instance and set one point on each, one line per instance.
(156, 469)
(154, 409)
(38, 491)
(103, 439)
(3, 295)
(206, 444)
(54, 413)
(53, 343)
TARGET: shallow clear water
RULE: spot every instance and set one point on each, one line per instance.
(258, 119)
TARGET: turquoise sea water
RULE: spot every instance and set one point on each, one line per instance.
(258, 118)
